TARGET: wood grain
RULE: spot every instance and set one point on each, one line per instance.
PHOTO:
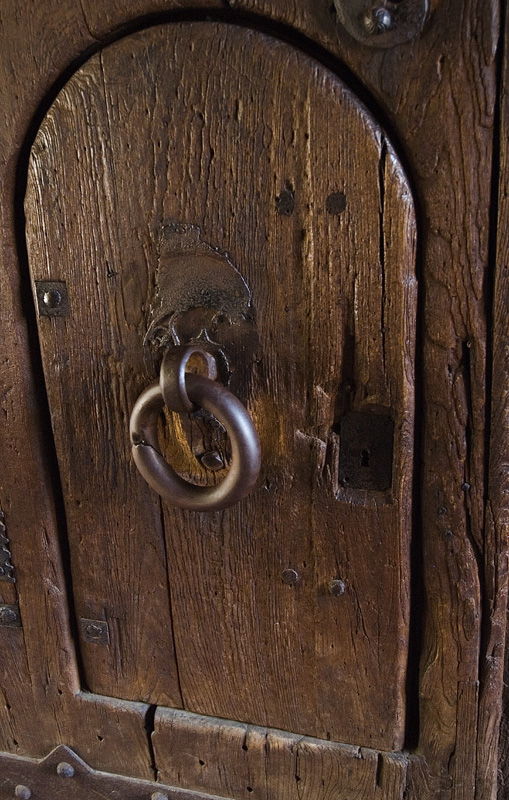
(119, 569)
(494, 711)
(231, 759)
(249, 647)
(424, 88)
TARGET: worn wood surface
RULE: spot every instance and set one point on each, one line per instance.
(334, 299)
(114, 527)
(492, 715)
(447, 76)
(230, 759)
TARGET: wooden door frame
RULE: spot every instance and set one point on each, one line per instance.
(462, 548)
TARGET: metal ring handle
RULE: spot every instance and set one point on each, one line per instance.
(172, 377)
(246, 455)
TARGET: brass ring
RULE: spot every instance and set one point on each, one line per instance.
(246, 455)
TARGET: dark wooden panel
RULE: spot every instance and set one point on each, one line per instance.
(118, 554)
(415, 89)
(208, 125)
(439, 93)
(494, 716)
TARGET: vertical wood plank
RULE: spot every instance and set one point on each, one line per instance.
(464, 767)
(116, 542)
(447, 73)
(494, 707)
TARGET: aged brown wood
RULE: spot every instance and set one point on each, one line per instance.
(434, 78)
(492, 715)
(106, 173)
(114, 527)
(231, 759)
(448, 74)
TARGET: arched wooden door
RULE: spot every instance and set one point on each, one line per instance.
(290, 609)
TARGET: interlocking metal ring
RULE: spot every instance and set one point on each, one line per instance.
(185, 392)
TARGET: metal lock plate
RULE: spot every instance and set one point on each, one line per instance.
(365, 456)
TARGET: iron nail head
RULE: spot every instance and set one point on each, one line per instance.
(65, 770)
(22, 792)
(378, 20)
(212, 460)
(290, 576)
(337, 587)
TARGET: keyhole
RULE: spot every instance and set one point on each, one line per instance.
(365, 458)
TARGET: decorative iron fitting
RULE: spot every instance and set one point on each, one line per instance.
(200, 296)
(63, 774)
(6, 568)
(386, 23)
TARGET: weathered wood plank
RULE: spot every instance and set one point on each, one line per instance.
(243, 761)
(447, 74)
(114, 528)
(464, 760)
(494, 707)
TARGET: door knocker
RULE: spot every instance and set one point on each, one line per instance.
(183, 392)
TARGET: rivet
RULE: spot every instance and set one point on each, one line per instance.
(212, 460)
(158, 796)
(290, 576)
(65, 770)
(10, 616)
(95, 631)
(336, 588)
(22, 792)
(336, 203)
(378, 20)
(52, 298)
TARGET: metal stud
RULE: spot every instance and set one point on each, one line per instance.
(385, 23)
(212, 460)
(290, 577)
(336, 587)
(52, 298)
(22, 792)
(65, 770)
(95, 631)
(378, 20)
(10, 616)
(158, 796)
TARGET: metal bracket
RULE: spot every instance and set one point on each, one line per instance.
(385, 23)
(366, 449)
(6, 568)
(63, 775)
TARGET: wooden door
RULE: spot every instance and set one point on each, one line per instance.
(289, 610)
